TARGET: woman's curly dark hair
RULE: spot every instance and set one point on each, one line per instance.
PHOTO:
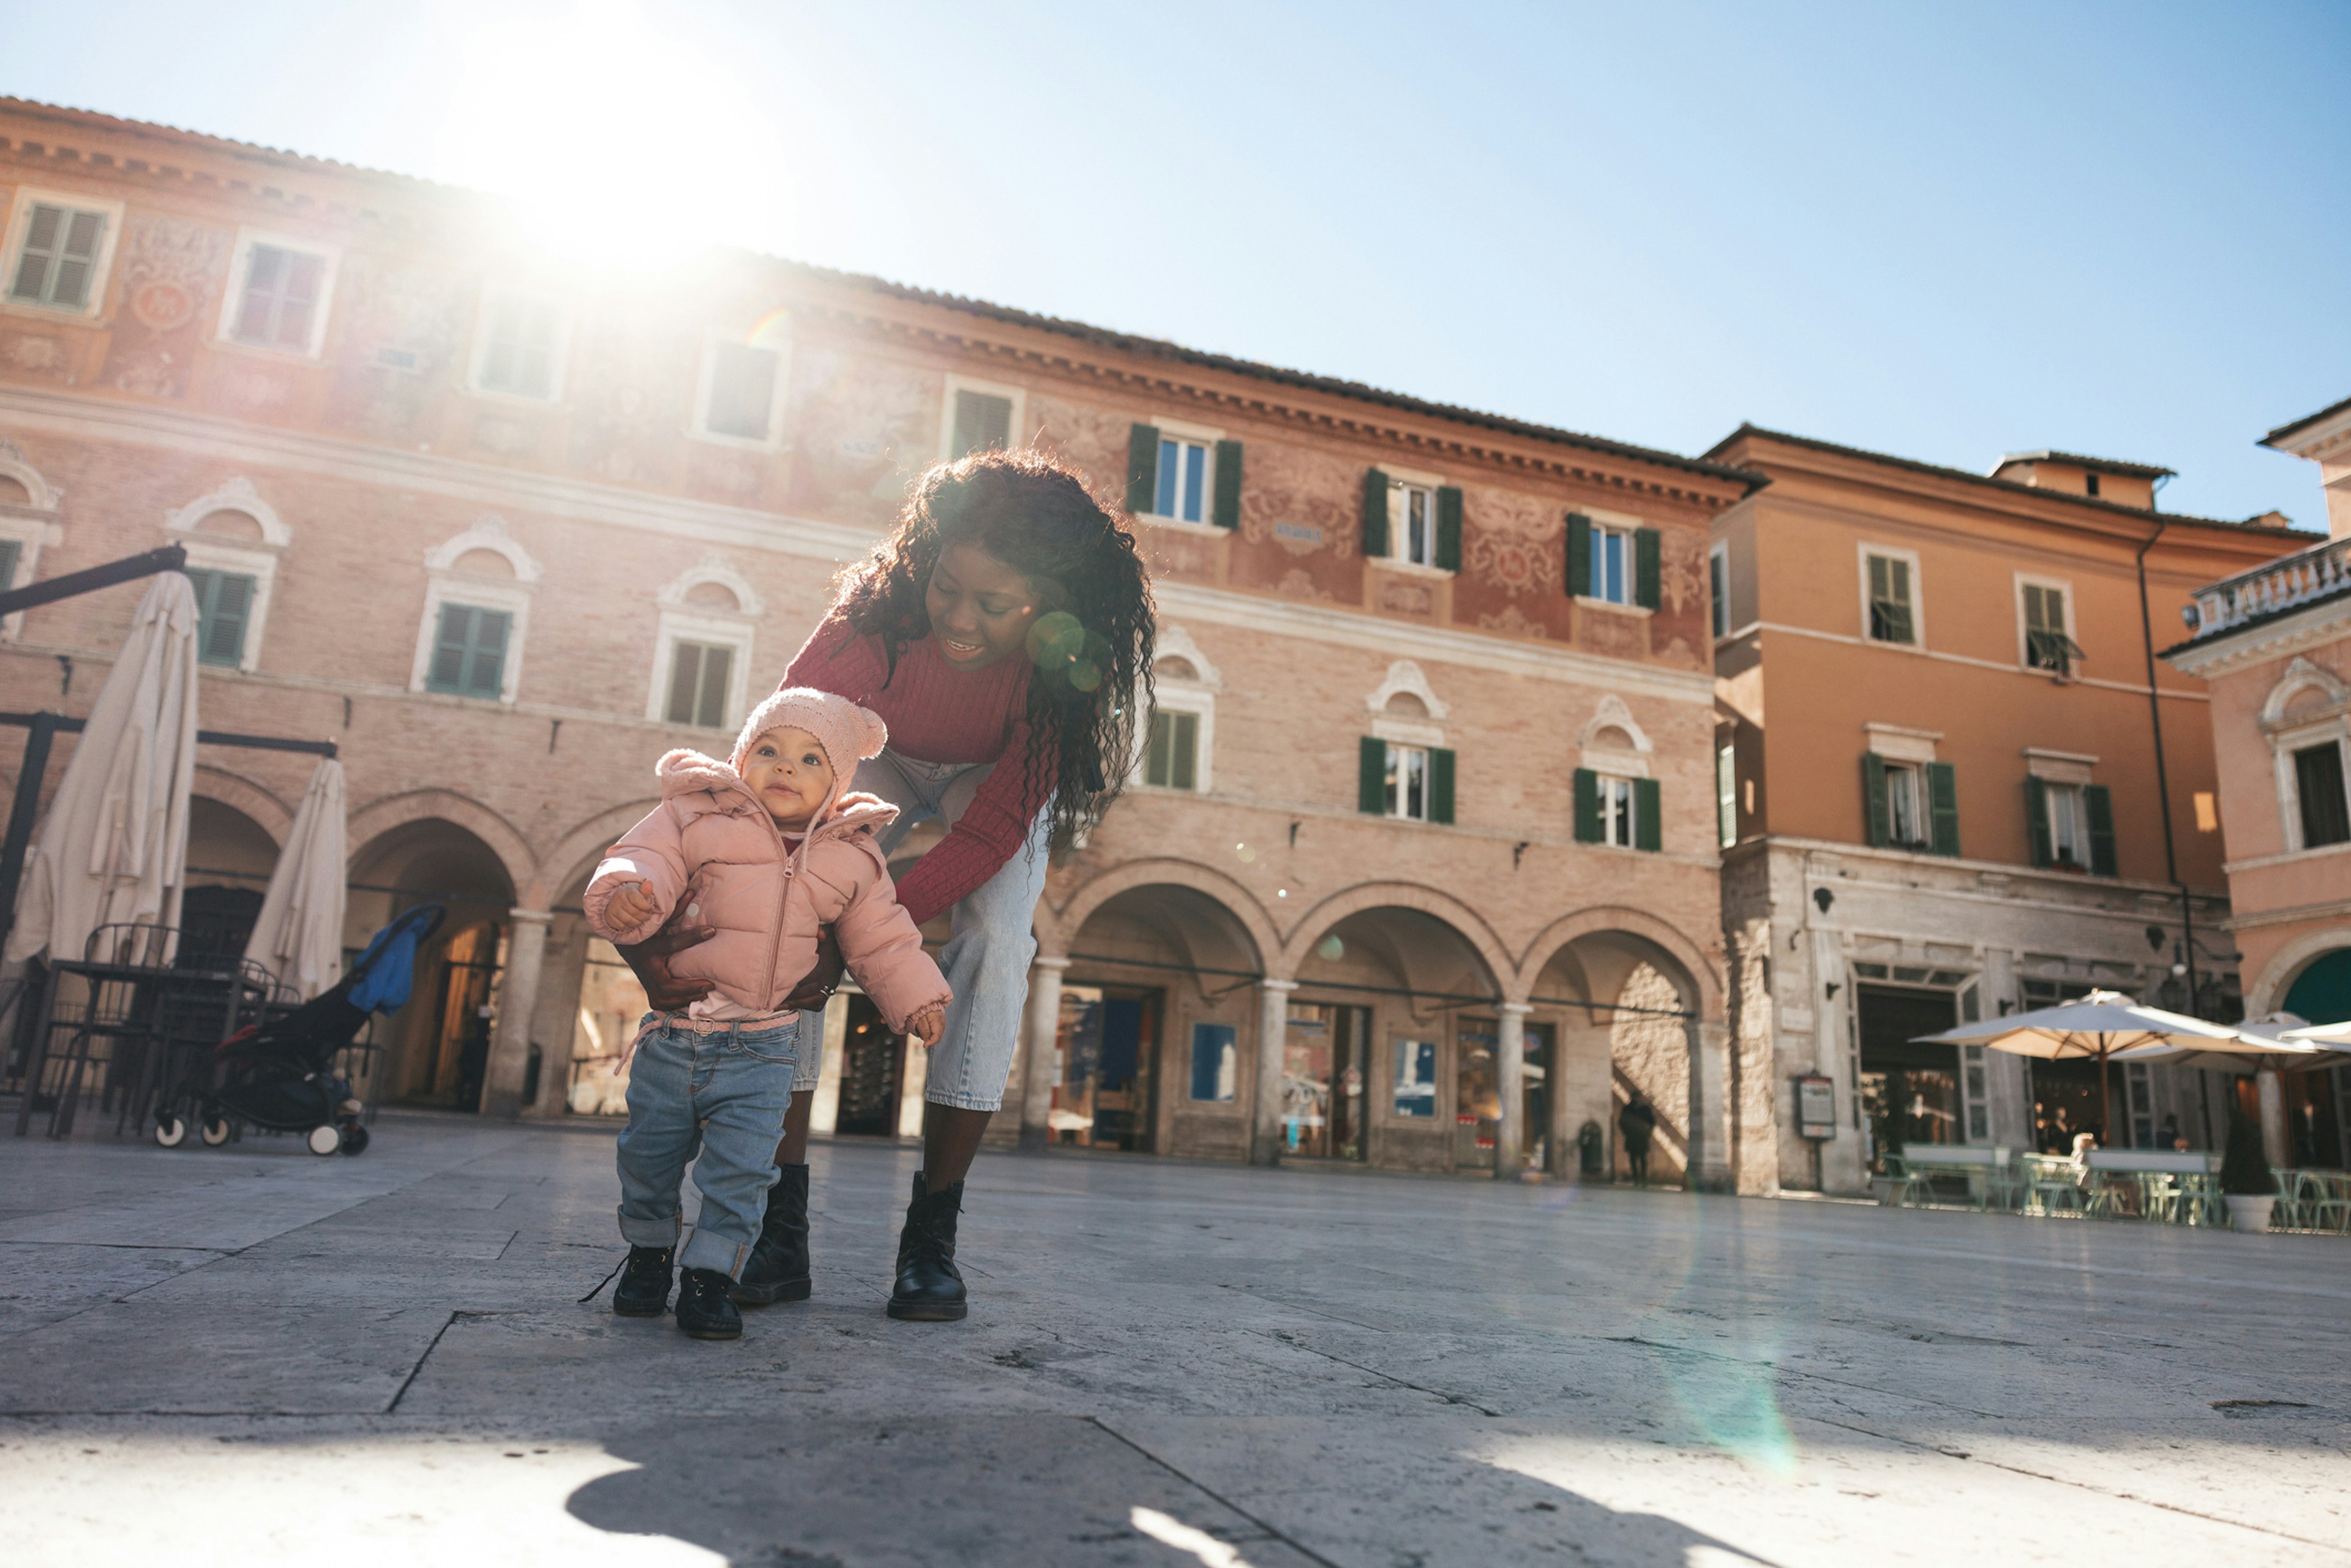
(1090, 651)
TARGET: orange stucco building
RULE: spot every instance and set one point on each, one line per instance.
(1939, 786)
(2273, 646)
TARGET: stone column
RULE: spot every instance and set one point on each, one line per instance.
(1272, 1036)
(2277, 1147)
(1510, 1132)
(1043, 1051)
(561, 969)
(517, 1000)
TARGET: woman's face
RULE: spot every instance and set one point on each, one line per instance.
(979, 608)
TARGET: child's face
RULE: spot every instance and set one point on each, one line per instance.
(787, 769)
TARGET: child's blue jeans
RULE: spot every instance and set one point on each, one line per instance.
(722, 1094)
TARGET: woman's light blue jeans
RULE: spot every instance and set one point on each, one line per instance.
(721, 1096)
(987, 958)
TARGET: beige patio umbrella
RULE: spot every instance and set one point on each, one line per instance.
(2320, 1033)
(2097, 1026)
(113, 848)
(2271, 1044)
(298, 936)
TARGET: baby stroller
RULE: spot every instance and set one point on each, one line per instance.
(281, 1074)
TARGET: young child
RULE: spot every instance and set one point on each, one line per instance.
(766, 848)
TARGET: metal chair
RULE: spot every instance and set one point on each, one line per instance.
(2053, 1186)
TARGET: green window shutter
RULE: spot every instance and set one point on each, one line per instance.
(1587, 806)
(1448, 528)
(2099, 802)
(983, 423)
(1141, 468)
(718, 663)
(1872, 793)
(1375, 514)
(1372, 777)
(1440, 784)
(2036, 820)
(1227, 513)
(684, 682)
(1646, 572)
(487, 659)
(1578, 556)
(1649, 833)
(450, 639)
(1943, 806)
(221, 613)
(10, 552)
(1183, 737)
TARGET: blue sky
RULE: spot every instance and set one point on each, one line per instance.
(1941, 232)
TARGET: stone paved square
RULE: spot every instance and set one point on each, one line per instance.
(254, 1354)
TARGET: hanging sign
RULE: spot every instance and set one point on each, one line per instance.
(1816, 1106)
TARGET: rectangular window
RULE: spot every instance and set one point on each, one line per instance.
(1408, 782)
(1182, 479)
(1975, 1087)
(2069, 825)
(58, 262)
(1172, 760)
(742, 390)
(1890, 614)
(983, 422)
(518, 348)
(1726, 792)
(1906, 806)
(1415, 1078)
(1612, 564)
(224, 604)
(469, 652)
(1216, 1063)
(698, 684)
(281, 295)
(2318, 780)
(1717, 582)
(2047, 645)
(1417, 536)
(1616, 810)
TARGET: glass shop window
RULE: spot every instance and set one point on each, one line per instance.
(1415, 1078)
(1322, 1061)
(1216, 1063)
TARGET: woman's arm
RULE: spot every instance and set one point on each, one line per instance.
(650, 961)
(993, 828)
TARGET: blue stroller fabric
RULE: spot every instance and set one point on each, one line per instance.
(388, 968)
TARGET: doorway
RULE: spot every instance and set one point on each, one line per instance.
(1325, 1062)
(873, 1072)
(1109, 1039)
(1478, 1096)
(2067, 1099)
(461, 1056)
(1910, 1091)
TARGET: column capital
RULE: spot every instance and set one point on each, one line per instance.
(1268, 983)
(1049, 961)
(1522, 1009)
(532, 916)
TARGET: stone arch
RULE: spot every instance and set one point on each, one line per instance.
(39, 494)
(1443, 906)
(489, 534)
(714, 571)
(2267, 993)
(1405, 676)
(377, 818)
(1686, 955)
(1056, 928)
(272, 814)
(2300, 674)
(1177, 643)
(576, 854)
(237, 496)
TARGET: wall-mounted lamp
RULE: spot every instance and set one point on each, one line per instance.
(1824, 897)
(1833, 990)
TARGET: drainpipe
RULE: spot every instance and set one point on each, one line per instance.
(2162, 776)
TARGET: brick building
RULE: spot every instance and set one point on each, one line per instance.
(1944, 792)
(1420, 868)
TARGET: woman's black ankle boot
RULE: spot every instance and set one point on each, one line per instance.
(644, 1290)
(703, 1308)
(929, 1289)
(779, 1266)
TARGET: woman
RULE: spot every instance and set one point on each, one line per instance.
(1002, 631)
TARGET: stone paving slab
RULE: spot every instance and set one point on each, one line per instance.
(1166, 1362)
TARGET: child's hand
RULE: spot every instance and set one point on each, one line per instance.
(927, 1027)
(630, 907)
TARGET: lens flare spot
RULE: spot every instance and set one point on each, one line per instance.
(1331, 948)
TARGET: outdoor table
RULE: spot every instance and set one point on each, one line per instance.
(2052, 1183)
(142, 1020)
(2176, 1187)
(1989, 1177)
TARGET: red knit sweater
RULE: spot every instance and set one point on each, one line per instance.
(939, 714)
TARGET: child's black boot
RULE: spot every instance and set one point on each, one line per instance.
(645, 1283)
(777, 1269)
(704, 1310)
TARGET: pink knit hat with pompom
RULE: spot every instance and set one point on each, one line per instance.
(848, 733)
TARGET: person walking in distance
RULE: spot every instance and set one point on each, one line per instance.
(1638, 1122)
(1003, 631)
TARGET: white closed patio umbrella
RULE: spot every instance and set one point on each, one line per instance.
(2097, 1026)
(113, 848)
(298, 936)
(2321, 1033)
(2271, 1044)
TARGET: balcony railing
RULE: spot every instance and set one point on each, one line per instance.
(2319, 573)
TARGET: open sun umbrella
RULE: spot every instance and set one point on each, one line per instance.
(2097, 1026)
(2320, 1033)
(298, 936)
(2271, 1044)
(114, 847)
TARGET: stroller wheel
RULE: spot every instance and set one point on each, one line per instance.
(169, 1130)
(325, 1139)
(355, 1138)
(215, 1132)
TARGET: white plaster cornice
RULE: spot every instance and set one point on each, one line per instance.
(2312, 626)
(1355, 629)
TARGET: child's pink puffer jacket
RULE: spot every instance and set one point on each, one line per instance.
(711, 843)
